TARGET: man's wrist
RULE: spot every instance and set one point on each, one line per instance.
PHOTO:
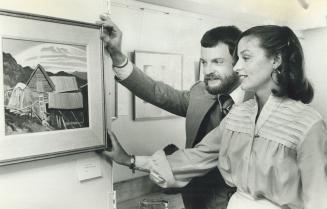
(118, 59)
(122, 65)
(124, 71)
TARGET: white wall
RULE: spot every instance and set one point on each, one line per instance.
(53, 183)
(315, 51)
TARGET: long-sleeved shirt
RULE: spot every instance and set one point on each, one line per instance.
(281, 157)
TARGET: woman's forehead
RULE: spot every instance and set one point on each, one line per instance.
(248, 43)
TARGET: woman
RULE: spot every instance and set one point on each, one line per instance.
(273, 148)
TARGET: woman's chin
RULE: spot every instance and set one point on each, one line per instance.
(246, 87)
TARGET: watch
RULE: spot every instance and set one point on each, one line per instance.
(132, 163)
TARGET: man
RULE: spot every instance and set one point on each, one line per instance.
(204, 105)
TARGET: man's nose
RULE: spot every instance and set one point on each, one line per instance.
(207, 69)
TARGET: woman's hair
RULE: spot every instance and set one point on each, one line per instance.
(290, 76)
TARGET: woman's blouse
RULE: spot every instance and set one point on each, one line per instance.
(281, 157)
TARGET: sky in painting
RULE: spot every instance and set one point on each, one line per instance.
(54, 57)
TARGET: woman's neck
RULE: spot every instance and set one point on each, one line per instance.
(262, 97)
(263, 94)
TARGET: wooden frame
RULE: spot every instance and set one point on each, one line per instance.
(165, 67)
(51, 87)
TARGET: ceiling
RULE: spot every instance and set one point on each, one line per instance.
(286, 12)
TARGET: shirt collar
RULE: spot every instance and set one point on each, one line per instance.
(237, 95)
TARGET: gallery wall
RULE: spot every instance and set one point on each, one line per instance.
(54, 183)
(315, 51)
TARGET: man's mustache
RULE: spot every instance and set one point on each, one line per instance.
(211, 76)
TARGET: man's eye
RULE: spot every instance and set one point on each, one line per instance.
(218, 61)
(203, 62)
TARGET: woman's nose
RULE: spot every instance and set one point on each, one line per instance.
(237, 67)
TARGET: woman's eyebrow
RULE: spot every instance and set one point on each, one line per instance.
(244, 51)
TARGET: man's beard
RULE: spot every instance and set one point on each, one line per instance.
(226, 85)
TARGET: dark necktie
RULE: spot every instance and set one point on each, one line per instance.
(226, 102)
(212, 119)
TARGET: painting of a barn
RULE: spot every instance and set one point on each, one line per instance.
(56, 102)
(45, 86)
(40, 83)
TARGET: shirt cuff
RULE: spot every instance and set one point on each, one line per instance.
(159, 168)
(143, 163)
(124, 72)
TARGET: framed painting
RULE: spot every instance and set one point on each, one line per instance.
(165, 67)
(51, 87)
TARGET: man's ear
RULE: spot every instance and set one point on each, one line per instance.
(277, 61)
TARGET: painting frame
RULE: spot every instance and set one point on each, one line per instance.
(114, 100)
(24, 147)
(149, 62)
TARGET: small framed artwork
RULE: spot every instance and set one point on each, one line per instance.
(165, 67)
(197, 71)
(51, 87)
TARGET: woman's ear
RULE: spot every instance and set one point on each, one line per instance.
(277, 61)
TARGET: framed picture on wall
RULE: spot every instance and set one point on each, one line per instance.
(51, 87)
(165, 67)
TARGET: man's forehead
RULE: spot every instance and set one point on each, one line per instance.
(219, 51)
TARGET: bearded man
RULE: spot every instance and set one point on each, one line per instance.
(204, 105)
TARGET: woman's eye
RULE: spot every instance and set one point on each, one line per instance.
(245, 58)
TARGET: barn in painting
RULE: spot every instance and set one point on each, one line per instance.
(56, 101)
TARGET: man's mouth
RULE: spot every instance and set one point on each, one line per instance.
(213, 79)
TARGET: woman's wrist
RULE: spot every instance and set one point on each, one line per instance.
(126, 160)
(129, 161)
(132, 163)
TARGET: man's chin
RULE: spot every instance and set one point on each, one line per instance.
(223, 88)
(213, 90)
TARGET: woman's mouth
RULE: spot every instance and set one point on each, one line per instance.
(242, 75)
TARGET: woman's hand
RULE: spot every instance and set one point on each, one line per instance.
(117, 152)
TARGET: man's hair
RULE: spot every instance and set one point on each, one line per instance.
(228, 35)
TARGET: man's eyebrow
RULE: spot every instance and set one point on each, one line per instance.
(218, 58)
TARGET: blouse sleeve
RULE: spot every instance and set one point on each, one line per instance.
(178, 169)
(312, 160)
